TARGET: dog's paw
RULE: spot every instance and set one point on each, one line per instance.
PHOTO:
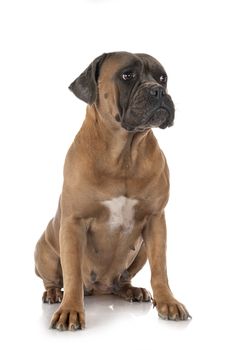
(68, 319)
(52, 296)
(172, 310)
(131, 293)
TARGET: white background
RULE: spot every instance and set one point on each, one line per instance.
(45, 45)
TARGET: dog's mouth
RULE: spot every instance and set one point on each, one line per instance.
(161, 118)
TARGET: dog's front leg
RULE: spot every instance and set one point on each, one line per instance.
(155, 240)
(70, 314)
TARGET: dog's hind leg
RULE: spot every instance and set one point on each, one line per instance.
(124, 287)
(48, 267)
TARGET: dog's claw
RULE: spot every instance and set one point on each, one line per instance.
(52, 296)
(60, 327)
(163, 317)
(132, 294)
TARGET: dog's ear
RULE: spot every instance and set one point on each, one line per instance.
(85, 86)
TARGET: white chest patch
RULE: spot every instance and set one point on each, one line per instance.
(121, 213)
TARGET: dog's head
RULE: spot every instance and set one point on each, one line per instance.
(129, 89)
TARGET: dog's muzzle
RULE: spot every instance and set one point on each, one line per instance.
(150, 107)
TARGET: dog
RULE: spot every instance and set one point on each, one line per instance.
(110, 217)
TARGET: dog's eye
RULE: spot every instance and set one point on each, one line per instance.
(163, 79)
(128, 75)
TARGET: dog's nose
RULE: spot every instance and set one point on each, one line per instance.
(157, 91)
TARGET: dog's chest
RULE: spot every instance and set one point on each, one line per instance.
(121, 214)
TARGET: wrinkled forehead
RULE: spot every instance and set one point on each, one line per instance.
(118, 61)
(150, 62)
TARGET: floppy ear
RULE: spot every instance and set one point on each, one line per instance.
(85, 86)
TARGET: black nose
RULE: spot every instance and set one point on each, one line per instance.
(157, 91)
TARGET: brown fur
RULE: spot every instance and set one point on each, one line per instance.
(76, 252)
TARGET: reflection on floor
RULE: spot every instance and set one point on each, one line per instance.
(103, 310)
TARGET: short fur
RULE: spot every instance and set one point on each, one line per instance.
(110, 217)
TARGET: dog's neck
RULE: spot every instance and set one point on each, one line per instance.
(114, 142)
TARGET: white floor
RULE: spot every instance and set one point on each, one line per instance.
(112, 323)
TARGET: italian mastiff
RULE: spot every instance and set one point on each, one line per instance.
(110, 217)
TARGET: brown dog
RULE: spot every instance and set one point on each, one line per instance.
(110, 217)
